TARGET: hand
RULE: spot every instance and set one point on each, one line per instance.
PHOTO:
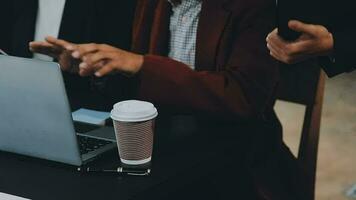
(315, 41)
(101, 59)
(57, 49)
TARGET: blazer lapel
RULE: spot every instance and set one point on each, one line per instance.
(151, 27)
(142, 25)
(214, 14)
(156, 14)
(160, 30)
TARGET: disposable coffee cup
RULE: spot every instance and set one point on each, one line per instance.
(134, 123)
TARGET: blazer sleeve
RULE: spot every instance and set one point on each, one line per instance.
(243, 88)
(344, 33)
(344, 51)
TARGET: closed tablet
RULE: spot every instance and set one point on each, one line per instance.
(307, 11)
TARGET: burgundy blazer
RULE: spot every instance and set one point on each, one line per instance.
(235, 76)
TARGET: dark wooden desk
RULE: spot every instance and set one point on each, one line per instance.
(172, 167)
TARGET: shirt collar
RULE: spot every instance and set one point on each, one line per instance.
(175, 3)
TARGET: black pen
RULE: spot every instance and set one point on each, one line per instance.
(119, 170)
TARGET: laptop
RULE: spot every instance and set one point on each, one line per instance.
(35, 116)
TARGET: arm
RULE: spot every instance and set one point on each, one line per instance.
(243, 86)
(342, 59)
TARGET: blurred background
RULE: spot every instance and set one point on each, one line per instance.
(336, 173)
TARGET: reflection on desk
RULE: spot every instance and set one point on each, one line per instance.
(10, 197)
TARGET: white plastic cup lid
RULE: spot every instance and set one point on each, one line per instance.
(133, 111)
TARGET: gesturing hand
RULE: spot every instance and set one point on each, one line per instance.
(59, 52)
(101, 59)
(315, 41)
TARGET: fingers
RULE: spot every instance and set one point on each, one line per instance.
(95, 58)
(276, 56)
(291, 58)
(60, 43)
(279, 55)
(86, 70)
(39, 46)
(83, 71)
(106, 69)
(275, 50)
(284, 57)
(44, 48)
(84, 49)
(96, 62)
(303, 28)
(277, 46)
(78, 51)
(299, 47)
(276, 43)
(99, 70)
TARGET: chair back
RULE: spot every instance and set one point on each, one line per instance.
(304, 84)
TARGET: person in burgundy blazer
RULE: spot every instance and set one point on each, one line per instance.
(18, 21)
(231, 92)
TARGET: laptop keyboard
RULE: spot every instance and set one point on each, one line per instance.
(88, 144)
